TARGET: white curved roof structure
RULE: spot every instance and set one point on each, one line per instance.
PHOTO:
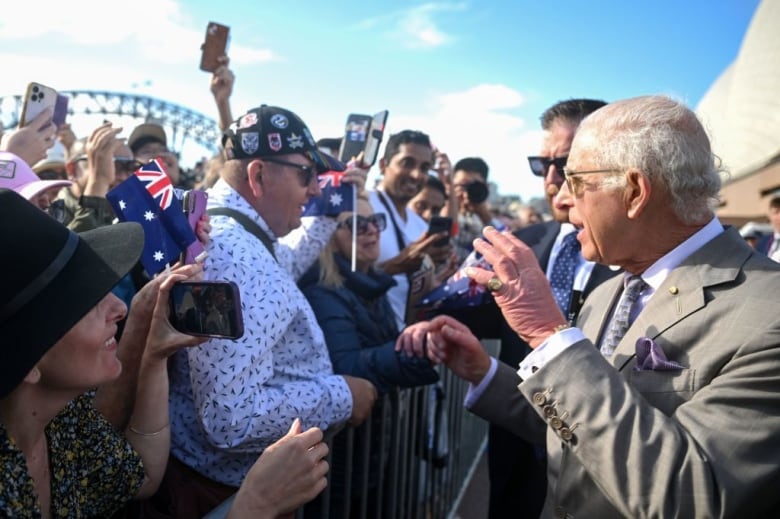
(741, 110)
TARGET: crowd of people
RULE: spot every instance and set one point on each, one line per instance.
(637, 332)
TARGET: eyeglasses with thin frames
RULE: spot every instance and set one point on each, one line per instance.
(305, 173)
(378, 220)
(568, 174)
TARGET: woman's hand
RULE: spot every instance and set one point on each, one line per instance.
(163, 339)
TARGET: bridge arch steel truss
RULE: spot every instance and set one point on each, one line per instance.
(185, 124)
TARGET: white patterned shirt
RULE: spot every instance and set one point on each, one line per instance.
(231, 399)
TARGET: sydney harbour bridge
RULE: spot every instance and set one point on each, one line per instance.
(185, 125)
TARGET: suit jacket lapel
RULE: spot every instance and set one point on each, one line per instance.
(543, 248)
(683, 291)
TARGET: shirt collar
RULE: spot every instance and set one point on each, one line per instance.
(657, 273)
(222, 194)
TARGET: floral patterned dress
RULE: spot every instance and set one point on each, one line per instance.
(94, 471)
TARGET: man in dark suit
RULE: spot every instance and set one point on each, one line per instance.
(770, 244)
(663, 401)
(517, 468)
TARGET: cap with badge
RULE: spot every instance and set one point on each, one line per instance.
(267, 131)
(16, 174)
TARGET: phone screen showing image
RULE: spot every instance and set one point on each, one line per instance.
(355, 135)
(207, 308)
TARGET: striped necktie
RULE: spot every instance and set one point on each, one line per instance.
(621, 319)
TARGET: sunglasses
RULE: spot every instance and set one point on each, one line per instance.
(56, 210)
(305, 173)
(378, 220)
(50, 174)
(126, 164)
(541, 165)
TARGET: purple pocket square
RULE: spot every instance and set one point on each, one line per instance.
(650, 357)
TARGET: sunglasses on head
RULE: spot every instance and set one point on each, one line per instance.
(541, 165)
(378, 220)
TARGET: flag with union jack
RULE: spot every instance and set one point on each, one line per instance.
(337, 196)
(147, 197)
(459, 290)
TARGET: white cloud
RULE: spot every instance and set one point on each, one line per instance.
(156, 30)
(479, 122)
(417, 27)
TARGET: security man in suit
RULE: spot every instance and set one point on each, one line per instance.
(664, 401)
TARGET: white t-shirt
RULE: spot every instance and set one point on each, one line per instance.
(411, 230)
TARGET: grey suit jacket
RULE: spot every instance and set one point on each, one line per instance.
(698, 442)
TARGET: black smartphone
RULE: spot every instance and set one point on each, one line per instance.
(207, 308)
(363, 133)
(355, 137)
(439, 224)
(374, 139)
(214, 46)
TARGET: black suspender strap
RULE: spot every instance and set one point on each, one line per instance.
(398, 235)
(247, 223)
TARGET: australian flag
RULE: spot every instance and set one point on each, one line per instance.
(147, 197)
(336, 197)
(459, 290)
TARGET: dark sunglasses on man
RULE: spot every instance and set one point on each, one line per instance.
(121, 164)
(541, 165)
(126, 165)
(378, 220)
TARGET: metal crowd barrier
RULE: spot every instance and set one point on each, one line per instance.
(416, 466)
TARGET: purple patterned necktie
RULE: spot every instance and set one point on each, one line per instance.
(562, 275)
(621, 319)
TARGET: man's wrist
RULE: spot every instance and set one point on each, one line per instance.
(561, 327)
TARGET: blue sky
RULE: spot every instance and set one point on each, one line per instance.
(474, 75)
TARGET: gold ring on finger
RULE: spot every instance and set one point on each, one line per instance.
(494, 284)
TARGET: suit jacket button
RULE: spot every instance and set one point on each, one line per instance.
(566, 434)
(540, 398)
(556, 422)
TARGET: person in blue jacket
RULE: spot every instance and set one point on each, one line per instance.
(360, 331)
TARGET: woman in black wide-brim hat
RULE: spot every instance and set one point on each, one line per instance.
(59, 457)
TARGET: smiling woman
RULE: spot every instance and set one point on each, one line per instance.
(360, 331)
(51, 361)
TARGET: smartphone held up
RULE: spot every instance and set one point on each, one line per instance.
(363, 133)
(214, 46)
(207, 309)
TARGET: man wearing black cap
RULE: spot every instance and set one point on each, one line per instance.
(231, 399)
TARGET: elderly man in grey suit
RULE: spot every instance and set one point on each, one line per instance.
(665, 400)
